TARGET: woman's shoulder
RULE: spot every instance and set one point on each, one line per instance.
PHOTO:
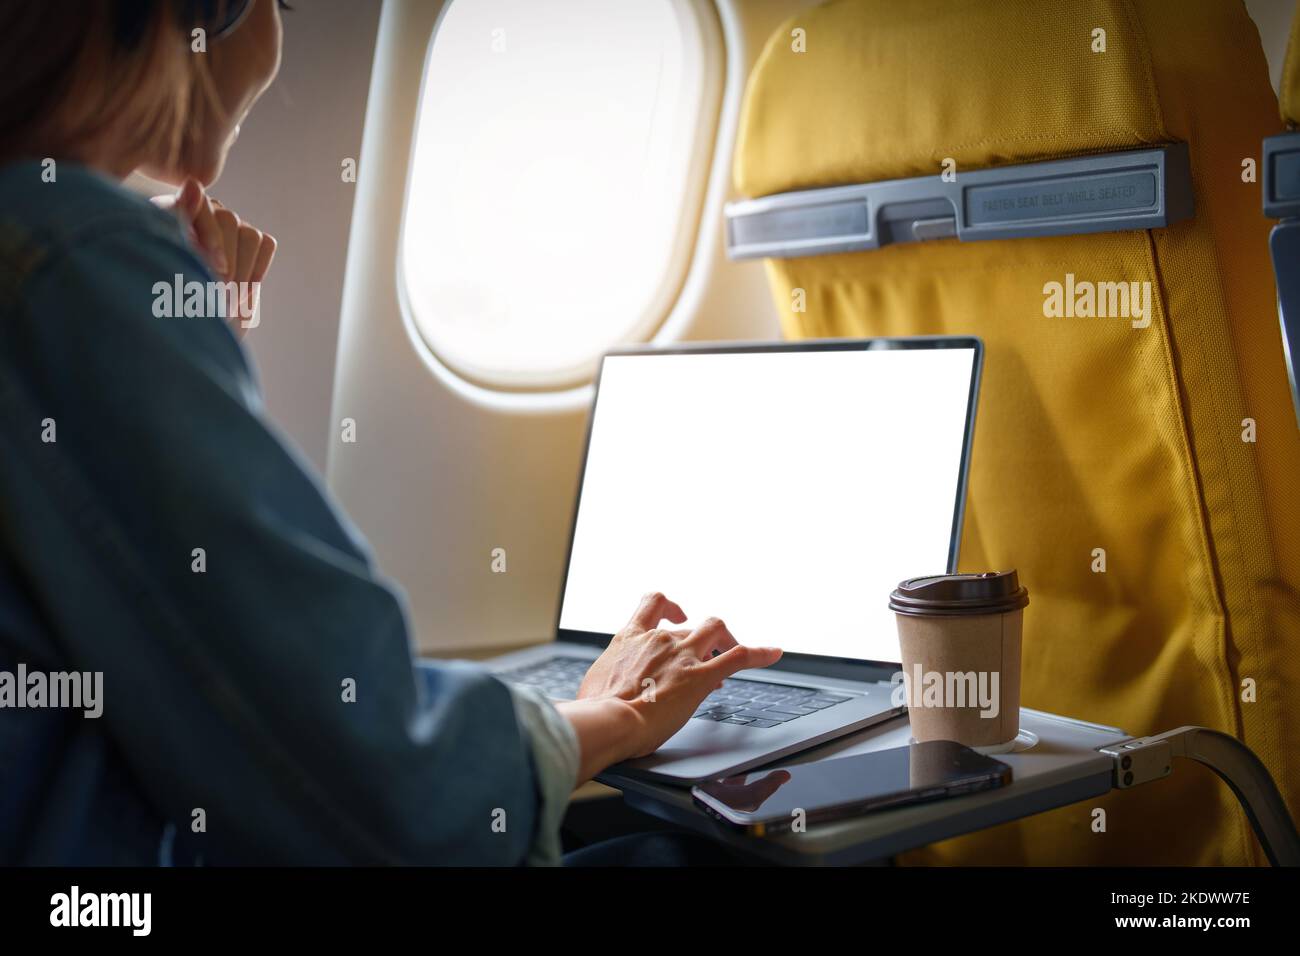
(57, 204)
(82, 256)
(68, 231)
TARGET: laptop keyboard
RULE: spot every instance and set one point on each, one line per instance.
(557, 677)
(749, 702)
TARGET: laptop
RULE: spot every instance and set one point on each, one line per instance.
(784, 488)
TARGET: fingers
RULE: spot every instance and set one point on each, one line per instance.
(710, 636)
(261, 263)
(249, 252)
(653, 609)
(235, 250)
(207, 232)
(228, 228)
(248, 246)
(740, 658)
(265, 253)
(248, 241)
(186, 202)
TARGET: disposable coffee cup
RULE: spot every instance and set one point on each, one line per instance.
(959, 637)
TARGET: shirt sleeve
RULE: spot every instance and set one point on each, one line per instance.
(256, 665)
(556, 758)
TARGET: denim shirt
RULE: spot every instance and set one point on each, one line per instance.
(260, 698)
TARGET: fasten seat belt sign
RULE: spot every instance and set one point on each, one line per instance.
(1134, 189)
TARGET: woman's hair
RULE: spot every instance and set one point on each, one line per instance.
(75, 69)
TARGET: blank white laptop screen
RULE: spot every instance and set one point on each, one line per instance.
(785, 492)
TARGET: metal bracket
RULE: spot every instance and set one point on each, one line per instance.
(1106, 192)
(1281, 175)
(1284, 246)
(1143, 759)
(1282, 201)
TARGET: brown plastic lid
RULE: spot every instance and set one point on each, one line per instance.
(993, 592)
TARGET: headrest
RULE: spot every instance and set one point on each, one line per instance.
(857, 91)
(1289, 92)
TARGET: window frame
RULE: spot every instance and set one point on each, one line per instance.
(565, 388)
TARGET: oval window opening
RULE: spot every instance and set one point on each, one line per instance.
(560, 151)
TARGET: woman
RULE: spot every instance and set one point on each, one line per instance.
(260, 701)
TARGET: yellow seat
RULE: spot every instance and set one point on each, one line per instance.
(1096, 440)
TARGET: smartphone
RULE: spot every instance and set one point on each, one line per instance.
(766, 801)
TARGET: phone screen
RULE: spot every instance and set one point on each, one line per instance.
(912, 774)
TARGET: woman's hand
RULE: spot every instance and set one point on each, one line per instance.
(650, 681)
(235, 250)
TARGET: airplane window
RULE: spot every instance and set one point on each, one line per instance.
(560, 155)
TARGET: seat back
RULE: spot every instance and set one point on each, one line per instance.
(1140, 469)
